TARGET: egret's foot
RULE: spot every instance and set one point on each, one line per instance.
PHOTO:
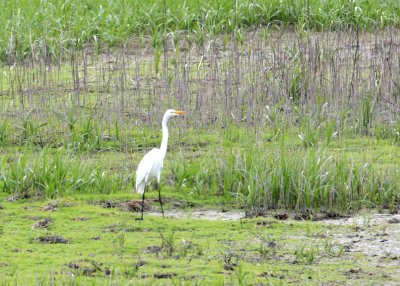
(138, 218)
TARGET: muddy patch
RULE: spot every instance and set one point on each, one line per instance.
(136, 205)
(164, 275)
(117, 228)
(152, 249)
(373, 238)
(201, 214)
(81, 219)
(51, 207)
(44, 223)
(272, 275)
(374, 235)
(88, 267)
(131, 206)
(52, 239)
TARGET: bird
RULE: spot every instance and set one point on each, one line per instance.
(151, 165)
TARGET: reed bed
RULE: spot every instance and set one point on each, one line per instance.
(243, 90)
(267, 80)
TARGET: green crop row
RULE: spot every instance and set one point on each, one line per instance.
(59, 25)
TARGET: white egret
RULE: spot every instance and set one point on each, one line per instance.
(152, 163)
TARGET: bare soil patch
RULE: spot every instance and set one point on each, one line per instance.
(374, 235)
(44, 223)
(164, 275)
(52, 239)
(201, 214)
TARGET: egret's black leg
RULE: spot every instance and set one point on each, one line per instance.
(141, 218)
(159, 199)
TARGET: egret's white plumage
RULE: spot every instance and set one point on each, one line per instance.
(151, 165)
(149, 169)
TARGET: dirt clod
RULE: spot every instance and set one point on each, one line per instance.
(87, 271)
(140, 263)
(228, 267)
(330, 214)
(14, 198)
(266, 274)
(73, 265)
(164, 275)
(81, 219)
(133, 206)
(130, 206)
(272, 244)
(110, 204)
(52, 239)
(282, 216)
(152, 249)
(43, 223)
(353, 272)
(51, 206)
(263, 223)
(304, 216)
(110, 228)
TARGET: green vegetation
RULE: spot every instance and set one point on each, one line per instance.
(297, 123)
(345, 175)
(50, 27)
(76, 241)
(293, 109)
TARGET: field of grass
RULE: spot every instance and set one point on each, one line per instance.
(79, 240)
(293, 109)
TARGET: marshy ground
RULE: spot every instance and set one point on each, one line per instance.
(286, 169)
(86, 240)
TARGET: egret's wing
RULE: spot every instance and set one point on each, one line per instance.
(145, 166)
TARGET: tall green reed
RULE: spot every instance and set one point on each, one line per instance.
(52, 173)
(299, 179)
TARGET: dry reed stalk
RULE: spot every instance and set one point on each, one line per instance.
(217, 83)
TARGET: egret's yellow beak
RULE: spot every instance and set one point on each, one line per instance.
(180, 112)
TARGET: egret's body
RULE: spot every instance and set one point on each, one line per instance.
(151, 165)
(149, 169)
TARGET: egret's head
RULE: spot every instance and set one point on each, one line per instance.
(172, 113)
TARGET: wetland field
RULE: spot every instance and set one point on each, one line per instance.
(284, 171)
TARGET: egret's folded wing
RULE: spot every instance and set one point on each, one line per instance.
(145, 166)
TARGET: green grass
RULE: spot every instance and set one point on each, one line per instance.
(294, 122)
(49, 27)
(236, 169)
(107, 246)
(52, 173)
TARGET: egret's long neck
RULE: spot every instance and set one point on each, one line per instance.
(164, 141)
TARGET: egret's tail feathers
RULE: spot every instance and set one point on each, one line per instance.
(140, 188)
